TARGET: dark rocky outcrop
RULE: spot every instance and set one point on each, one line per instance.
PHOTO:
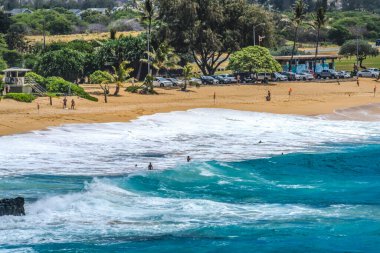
(12, 207)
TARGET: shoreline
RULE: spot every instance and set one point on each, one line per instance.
(308, 98)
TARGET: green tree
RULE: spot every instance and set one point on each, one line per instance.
(319, 21)
(3, 64)
(360, 49)
(211, 29)
(299, 12)
(149, 12)
(187, 72)
(163, 57)
(103, 78)
(253, 59)
(339, 35)
(114, 52)
(13, 58)
(65, 63)
(5, 22)
(121, 74)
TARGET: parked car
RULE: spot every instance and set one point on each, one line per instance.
(291, 76)
(221, 79)
(344, 74)
(195, 81)
(230, 78)
(328, 73)
(162, 82)
(245, 77)
(367, 73)
(374, 69)
(175, 81)
(263, 77)
(279, 77)
(209, 80)
(306, 76)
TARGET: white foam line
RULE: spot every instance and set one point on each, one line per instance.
(166, 139)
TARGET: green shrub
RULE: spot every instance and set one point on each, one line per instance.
(99, 77)
(133, 89)
(36, 78)
(60, 85)
(21, 97)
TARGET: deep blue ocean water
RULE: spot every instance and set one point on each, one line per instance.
(297, 202)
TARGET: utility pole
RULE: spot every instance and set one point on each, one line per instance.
(254, 32)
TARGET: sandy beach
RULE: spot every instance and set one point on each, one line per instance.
(308, 98)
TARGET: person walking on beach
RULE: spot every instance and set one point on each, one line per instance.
(374, 91)
(38, 107)
(214, 97)
(188, 159)
(290, 92)
(72, 104)
(65, 103)
(150, 167)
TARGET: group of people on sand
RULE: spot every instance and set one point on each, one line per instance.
(150, 166)
(65, 104)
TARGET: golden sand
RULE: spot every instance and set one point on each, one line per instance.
(308, 98)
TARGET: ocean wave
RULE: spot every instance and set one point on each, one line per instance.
(166, 139)
(105, 210)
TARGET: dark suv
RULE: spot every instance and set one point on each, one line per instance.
(328, 73)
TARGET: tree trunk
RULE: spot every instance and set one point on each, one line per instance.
(293, 49)
(316, 50)
(117, 90)
(105, 97)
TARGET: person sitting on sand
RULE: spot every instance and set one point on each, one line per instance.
(269, 96)
(150, 167)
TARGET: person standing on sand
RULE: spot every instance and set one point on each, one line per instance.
(269, 96)
(65, 103)
(374, 91)
(72, 104)
(150, 167)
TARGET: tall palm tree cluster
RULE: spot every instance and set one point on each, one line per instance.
(319, 20)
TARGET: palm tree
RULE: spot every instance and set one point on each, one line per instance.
(319, 21)
(121, 74)
(163, 58)
(298, 17)
(187, 71)
(148, 15)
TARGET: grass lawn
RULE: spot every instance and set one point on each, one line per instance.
(71, 37)
(348, 63)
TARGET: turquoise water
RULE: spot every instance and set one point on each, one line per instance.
(321, 202)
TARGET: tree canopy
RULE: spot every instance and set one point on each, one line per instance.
(212, 29)
(360, 48)
(253, 59)
(66, 63)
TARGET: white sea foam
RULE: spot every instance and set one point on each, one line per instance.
(166, 139)
(104, 210)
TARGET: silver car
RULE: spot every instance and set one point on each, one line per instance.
(306, 76)
(162, 82)
(368, 73)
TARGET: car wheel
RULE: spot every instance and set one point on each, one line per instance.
(373, 76)
(360, 75)
(304, 78)
(162, 85)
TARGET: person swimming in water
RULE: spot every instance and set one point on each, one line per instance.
(188, 158)
(150, 167)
